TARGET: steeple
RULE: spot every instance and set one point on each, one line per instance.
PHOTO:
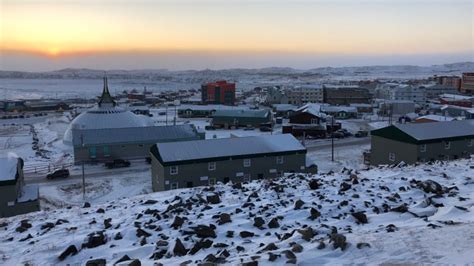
(106, 100)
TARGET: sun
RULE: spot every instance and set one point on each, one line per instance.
(53, 51)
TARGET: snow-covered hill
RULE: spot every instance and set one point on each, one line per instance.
(406, 214)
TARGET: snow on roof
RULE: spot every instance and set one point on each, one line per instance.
(448, 96)
(8, 168)
(227, 147)
(284, 107)
(331, 109)
(134, 134)
(241, 113)
(436, 118)
(448, 129)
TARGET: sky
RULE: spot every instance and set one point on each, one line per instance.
(40, 35)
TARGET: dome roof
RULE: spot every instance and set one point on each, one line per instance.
(106, 115)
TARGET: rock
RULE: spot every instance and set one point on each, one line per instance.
(339, 241)
(229, 234)
(29, 236)
(298, 204)
(48, 225)
(200, 245)
(179, 249)
(272, 256)
(314, 214)
(391, 228)
(306, 233)
(213, 199)
(345, 187)
(270, 247)
(150, 202)
(100, 210)
(210, 258)
(107, 223)
(94, 240)
(178, 222)
(430, 186)
(21, 229)
(162, 243)
(360, 217)
(363, 245)
(96, 262)
(240, 248)
(402, 208)
(86, 205)
(61, 221)
(70, 251)
(258, 222)
(297, 248)
(134, 262)
(273, 223)
(122, 259)
(313, 184)
(245, 234)
(289, 254)
(224, 218)
(141, 232)
(118, 236)
(321, 245)
(204, 231)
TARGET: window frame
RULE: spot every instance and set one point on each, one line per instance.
(175, 172)
(213, 168)
(247, 162)
(392, 156)
(447, 145)
(280, 160)
(470, 143)
(174, 184)
(212, 181)
(423, 148)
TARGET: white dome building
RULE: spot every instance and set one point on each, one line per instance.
(106, 115)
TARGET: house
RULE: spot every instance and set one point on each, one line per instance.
(308, 114)
(432, 118)
(396, 107)
(422, 142)
(283, 110)
(457, 100)
(340, 112)
(16, 197)
(206, 162)
(467, 83)
(457, 111)
(241, 118)
(92, 145)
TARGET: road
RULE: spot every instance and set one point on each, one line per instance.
(338, 143)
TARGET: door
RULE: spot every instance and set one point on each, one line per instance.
(93, 152)
(189, 184)
(106, 151)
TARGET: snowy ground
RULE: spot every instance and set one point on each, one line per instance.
(387, 215)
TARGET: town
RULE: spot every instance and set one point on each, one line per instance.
(239, 132)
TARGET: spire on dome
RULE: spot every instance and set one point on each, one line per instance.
(106, 99)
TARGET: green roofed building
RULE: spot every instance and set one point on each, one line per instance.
(241, 118)
(422, 142)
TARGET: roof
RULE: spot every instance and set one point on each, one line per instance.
(8, 168)
(332, 109)
(242, 113)
(436, 118)
(151, 134)
(284, 107)
(427, 132)
(456, 97)
(197, 150)
(311, 108)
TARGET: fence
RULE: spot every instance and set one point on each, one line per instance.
(43, 168)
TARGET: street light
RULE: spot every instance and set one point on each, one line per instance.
(83, 175)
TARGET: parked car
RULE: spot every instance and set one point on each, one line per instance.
(117, 163)
(61, 173)
(209, 128)
(265, 129)
(337, 135)
(345, 132)
(249, 128)
(361, 134)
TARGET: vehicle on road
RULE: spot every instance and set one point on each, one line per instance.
(117, 163)
(265, 129)
(61, 173)
(209, 128)
(345, 132)
(361, 134)
(337, 135)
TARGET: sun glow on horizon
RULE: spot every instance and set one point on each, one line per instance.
(74, 28)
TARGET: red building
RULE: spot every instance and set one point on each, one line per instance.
(449, 81)
(467, 84)
(219, 92)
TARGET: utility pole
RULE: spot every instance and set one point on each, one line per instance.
(166, 111)
(175, 114)
(332, 138)
(83, 175)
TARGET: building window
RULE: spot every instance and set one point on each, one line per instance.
(106, 151)
(391, 156)
(174, 185)
(211, 166)
(423, 148)
(447, 145)
(446, 157)
(140, 145)
(93, 152)
(280, 173)
(470, 143)
(204, 178)
(279, 159)
(173, 170)
(212, 181)
(11, 203)
(247, 162)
